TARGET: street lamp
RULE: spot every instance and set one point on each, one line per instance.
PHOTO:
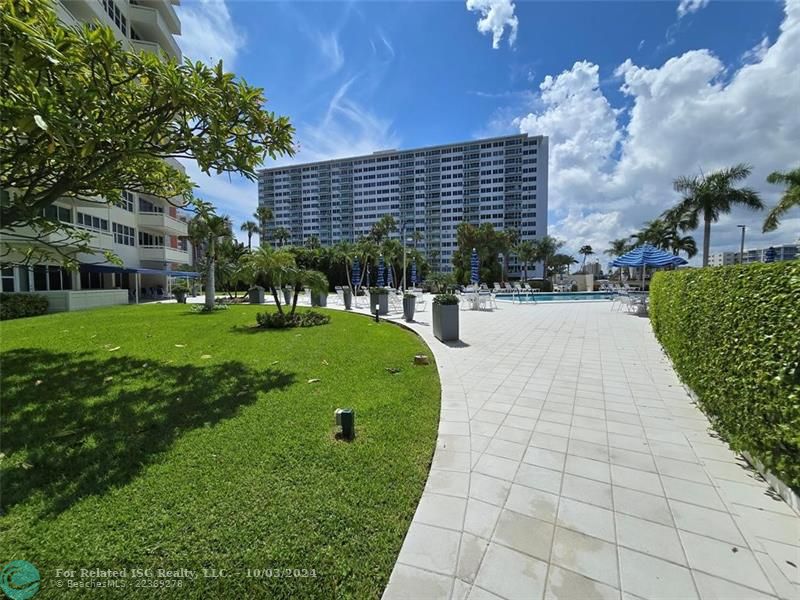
(741, 246)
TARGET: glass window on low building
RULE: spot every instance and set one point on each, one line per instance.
(149, 239)
(123, 234)
(7, 276)
(127, 201)
(92, 222)
(58, 213)
(149, 207)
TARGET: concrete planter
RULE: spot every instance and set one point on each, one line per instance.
(381, 300)
(180, 297)
(445, 322)
(347, 296)
(409, 305)
(287, 296)
(319, 298)
(256, 294)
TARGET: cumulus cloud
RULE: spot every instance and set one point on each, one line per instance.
(686, 7)
(496, 15)
(690, 115)
(208, 33)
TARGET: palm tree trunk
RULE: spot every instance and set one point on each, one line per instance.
(249, 240)
(294, 300)
(275, 296)
(210, 279)
(706, 238)
(525, 271)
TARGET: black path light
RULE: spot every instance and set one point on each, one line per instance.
(346, 420)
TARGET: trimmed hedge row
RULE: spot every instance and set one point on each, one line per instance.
(733, 334)
(15, 306)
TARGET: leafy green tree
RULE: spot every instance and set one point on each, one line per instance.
(510, 240)
(281, 235)
(559, 263)
(488, 243)
(278, 267)
(707, 197)
(586, 251)
(526, 253)
(313, 242)
(381, 229)
(250, 228)
(209, 229)
(262, 215)
(84, 118)
(547, 247)
(618, 247)
(790, 198)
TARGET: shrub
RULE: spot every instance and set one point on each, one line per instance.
(180, 288)
(409, 295)
(276, 320)
(201, 308)
(732, 334)
(15, 306)
(445, 299)
(378, 290)
(542, 284)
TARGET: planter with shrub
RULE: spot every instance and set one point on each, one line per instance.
(445, 317)
(180, 291)
(379, 297)
(409, 305)
(16, 306)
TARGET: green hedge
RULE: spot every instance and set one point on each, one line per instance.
(14, 306)
(733, 334)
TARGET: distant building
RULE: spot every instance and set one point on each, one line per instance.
(722, 259)
(430, 190)
(779, 253)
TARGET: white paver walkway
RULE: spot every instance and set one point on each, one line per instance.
(572, 464)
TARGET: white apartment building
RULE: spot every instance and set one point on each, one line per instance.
(502, 181)
(722, 259)
(145, 232)
(770, 254)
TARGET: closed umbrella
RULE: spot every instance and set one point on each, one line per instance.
(769, 255)
(473, 267)
(389, 278)
(356, 276)
(414, 273)
(381, 281)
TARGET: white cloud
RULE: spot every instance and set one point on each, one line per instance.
(686, 7)
(496, 15)
(331, 50)
(689, 115)
(757, 52)
(208, 32)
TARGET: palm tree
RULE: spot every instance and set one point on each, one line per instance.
(709, 196)
(249, 227)
(790, 198)
(281, 235)
(618, 247)
(684, 244)
(209, 228)
(586, 251)
(527, 253)
(509, 239)
(262, 215)
(277, 267)
(559, 261)
(546, 247)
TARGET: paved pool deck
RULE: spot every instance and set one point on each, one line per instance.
(572, 464)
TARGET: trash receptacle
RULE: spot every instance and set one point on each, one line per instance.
(256, 295)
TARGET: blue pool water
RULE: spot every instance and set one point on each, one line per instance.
(556, 296)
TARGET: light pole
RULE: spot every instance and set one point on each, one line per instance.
(741, 246)
(403, 236)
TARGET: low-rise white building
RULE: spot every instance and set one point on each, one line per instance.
(145, 232)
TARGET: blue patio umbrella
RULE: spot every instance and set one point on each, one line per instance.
(769, 255)
(414, 273)
(473, 267)
(647, 256)
(380, 271)
(389, 278)
(356, 276)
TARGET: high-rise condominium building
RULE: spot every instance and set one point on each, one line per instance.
(145, 232)
(502, 181)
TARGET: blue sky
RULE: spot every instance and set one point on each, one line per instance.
(632, 94)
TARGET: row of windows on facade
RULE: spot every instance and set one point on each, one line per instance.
(50, 278)
(472, 152)
(337, 177)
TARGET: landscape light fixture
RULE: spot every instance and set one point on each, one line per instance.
(377, 311)
(346, 420)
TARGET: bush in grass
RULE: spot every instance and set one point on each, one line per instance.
(278, 320)
(15, 306)
(733, 334)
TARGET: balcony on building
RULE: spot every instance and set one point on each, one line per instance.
(153, 25)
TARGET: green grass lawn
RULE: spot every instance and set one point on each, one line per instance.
(153, 437)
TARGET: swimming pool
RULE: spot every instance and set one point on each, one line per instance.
(556, 296)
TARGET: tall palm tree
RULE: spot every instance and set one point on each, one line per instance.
(546, 248)
(508, 241)
(210, 228)
(618, 247)
(249, 227)
(790, 198)
(527, 253)
(709, 196)
(262, 215)
(586, 251)
(281, 235)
